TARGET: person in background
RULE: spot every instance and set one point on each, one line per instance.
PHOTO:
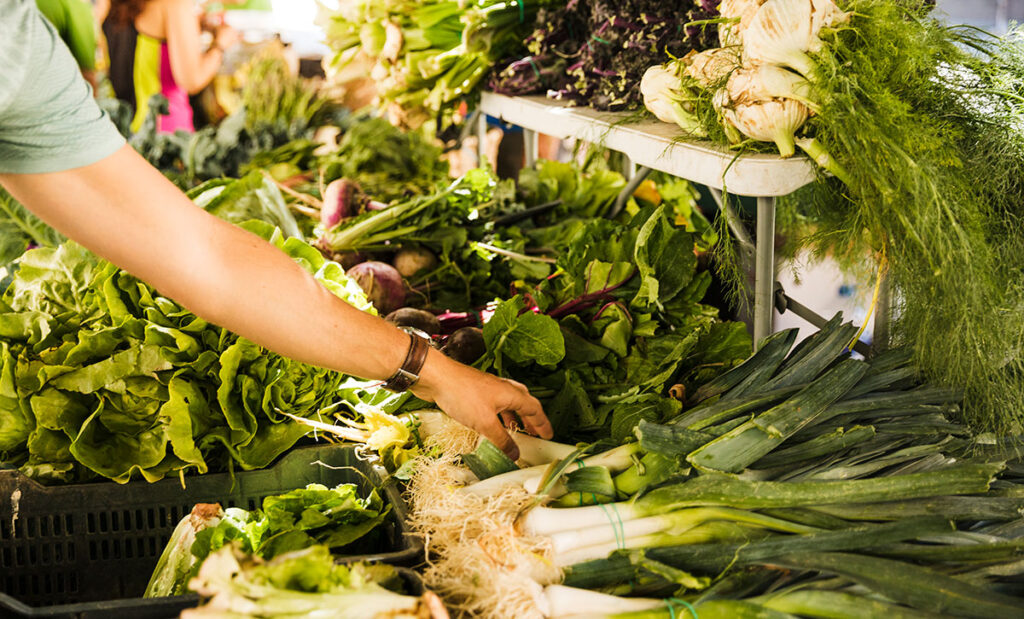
(74, 22)
(63, 159)
(155, 48)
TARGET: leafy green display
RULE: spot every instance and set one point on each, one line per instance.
(314, 515)
(302, 584)
(387, 163)
(102, 376)
(619, 323)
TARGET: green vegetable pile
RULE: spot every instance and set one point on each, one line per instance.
(619, 322)
(100, 376)
(312, 516)
(304, 584)
(387, 163)
(800, 481)
(427, 55)
(279, 112)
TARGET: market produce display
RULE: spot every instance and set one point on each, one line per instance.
(801, 481)
(692, 472)
(904, 115)
(305, 517)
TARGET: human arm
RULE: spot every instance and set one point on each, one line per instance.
(191, 67)
(125, 211)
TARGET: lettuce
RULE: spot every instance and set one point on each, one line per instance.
(100, 376)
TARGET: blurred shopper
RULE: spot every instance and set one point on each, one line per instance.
(155, 48)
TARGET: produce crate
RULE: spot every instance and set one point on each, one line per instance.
(140, 608)
(98, 543)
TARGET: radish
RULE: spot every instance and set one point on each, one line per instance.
(342, 199)
(413, 260)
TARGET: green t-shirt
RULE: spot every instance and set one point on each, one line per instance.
(49, 121)
(74, 22)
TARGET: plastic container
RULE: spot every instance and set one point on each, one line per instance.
(88, 550)
(140, 608)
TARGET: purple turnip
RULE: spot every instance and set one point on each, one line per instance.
(414, 260)
(382, 284)
(341, 200)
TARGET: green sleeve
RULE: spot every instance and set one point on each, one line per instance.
(49, 121)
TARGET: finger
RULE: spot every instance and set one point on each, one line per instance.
(532, 415)
(495, 433)
(510, 421)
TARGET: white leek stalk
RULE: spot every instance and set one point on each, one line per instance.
(562, 601)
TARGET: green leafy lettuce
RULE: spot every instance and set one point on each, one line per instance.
(101, 376)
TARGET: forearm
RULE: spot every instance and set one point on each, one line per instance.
(125, 211)
(206, 69)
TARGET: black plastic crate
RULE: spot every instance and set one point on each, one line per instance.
(98, 543)
(140, 608)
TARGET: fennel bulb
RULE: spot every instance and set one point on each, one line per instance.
(711, 67)
(784, 31)
(662, 94)
(731, 33)
(772, 120)
(756, 83)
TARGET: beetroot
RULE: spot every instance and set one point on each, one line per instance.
(414, 260)
(465, 345)
(382, 284)
(415, 318)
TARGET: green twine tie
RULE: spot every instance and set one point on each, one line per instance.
(671, 604)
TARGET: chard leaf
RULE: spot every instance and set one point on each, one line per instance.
(664, 256)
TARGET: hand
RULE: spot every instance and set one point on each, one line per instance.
(225, 37)
(481, 401)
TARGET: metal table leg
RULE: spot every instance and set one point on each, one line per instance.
(481, 132)
(764, 269)
(530, 146)
(642, 172)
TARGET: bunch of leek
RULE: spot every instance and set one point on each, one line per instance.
(796, 451)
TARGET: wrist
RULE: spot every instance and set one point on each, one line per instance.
(436, 369)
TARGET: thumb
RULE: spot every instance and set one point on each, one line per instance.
(496, 433)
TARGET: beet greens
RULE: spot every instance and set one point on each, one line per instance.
(594, 53)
